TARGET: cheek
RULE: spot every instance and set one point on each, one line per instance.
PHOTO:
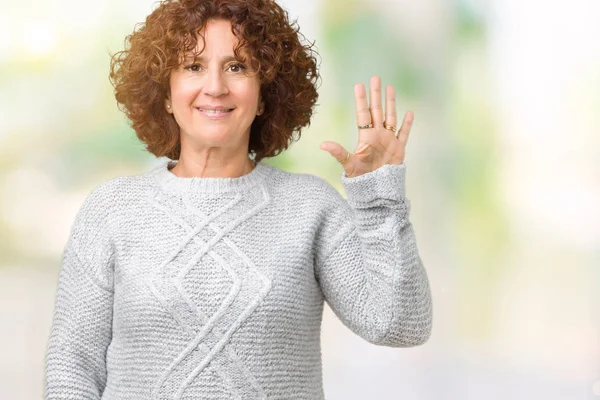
(248, 92)
(184, 92)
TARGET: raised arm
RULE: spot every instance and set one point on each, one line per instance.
(368, 265)
(82, 324)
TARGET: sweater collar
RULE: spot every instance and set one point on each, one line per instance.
(172, 183)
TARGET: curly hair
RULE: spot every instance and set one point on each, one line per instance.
(271, 44)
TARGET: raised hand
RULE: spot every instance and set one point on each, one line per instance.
(378, 141)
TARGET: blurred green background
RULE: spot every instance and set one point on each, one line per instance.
(503, 177)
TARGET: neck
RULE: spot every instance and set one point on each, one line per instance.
(231, 169)
(174, 185)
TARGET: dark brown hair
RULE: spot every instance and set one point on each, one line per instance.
(287, 69)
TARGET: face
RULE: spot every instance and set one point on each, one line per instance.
(215, 98)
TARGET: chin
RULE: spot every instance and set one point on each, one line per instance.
(214, 136)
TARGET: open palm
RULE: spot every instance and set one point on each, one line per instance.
(379, 143)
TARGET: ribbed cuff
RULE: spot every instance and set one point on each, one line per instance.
(386, 182)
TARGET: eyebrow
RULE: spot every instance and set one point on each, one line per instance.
(202, 58)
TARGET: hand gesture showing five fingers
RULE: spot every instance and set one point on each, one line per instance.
(378, 141)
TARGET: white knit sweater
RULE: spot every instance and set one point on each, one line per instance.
(213, 288)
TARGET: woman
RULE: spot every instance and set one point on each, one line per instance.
(205, 278)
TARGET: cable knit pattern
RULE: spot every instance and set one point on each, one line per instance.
(213, 288)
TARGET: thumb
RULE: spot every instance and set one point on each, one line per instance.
(335, 149)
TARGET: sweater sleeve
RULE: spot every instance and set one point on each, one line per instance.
(368, 265)
(82, 323)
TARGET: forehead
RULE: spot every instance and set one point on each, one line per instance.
(216, 37)
(215, 40)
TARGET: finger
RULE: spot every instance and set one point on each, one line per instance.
(404, 130)
(363, 115)
(390, 106)
(375, 97)
(337, 151)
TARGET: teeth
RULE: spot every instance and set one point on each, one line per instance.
(215, 111)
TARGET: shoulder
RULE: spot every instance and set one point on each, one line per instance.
(331, 214)
(117, 193)
(96, 211)
(103, 194)
(106, 195)
(312, 188)
(101, 214)
(322, 201)
(106, 201)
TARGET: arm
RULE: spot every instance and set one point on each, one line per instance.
(82, 324)
(369, 268)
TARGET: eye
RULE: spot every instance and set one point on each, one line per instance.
(190, 67)
(237, 67)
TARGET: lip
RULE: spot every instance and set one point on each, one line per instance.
(217, 108)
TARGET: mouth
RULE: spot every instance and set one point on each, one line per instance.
(209, 111)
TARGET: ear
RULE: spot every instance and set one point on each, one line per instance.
(261, 107)
(168, 106)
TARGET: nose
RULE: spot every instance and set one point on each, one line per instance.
(214, 83)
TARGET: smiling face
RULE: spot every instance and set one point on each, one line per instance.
(215, 98)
